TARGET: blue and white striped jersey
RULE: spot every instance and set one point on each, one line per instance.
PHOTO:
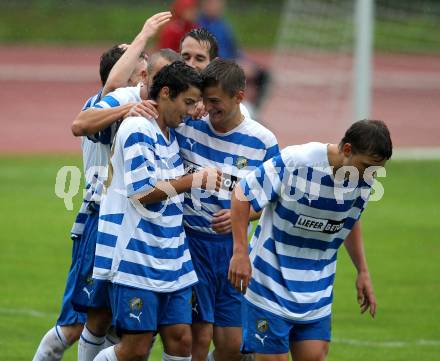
(120, 96)
(95, 161)
(235, 153)
(96, 151)
(307, 215)
(143, 246)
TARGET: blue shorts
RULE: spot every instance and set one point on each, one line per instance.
(267, 333)
(89, 293)
(137, 311)
(68, 316)
(215, 300)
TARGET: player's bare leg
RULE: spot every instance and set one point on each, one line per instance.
(177, 340)
(72, 332)
(275, 357)
(227, 342)
(310, 350)
(202, 333)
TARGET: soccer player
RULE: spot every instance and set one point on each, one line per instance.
(235, 144)
(90, 296)
(142, 247)
(312, 197)
(70, 322)
(95, 156)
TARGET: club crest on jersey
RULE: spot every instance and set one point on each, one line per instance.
(262, 326)
(135, 304)
(89, 280)
(241, 162)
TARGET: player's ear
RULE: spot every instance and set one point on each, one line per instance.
(164, 92)
(239, 96)
(144, 76)
(346, 149)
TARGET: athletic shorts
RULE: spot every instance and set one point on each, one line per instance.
(89, 293)
(215, 300)
(267, 333)
(68, 315)
(137, 310)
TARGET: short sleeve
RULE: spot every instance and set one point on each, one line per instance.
(139, 161)
(264, 184)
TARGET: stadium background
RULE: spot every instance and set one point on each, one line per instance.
(49, 53)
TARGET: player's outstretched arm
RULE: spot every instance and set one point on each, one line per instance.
(124, 67)
(240, 266)
(206, 178)
(93, 120)
(354, 245)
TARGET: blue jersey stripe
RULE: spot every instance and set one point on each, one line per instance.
(106, 239)
(299, 263)
(113, 218)
(156, 252)
(103, 262)
(235, 138)
(294, 307)
(160, 231)
(303, 242)
(154, 273)
(292, 286)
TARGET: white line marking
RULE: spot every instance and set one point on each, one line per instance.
(386, 344)
(27, 312)
(351, 342)
(416, 153)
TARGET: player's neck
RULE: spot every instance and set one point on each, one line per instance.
(233, 122)
(335, 156)
(160, 120)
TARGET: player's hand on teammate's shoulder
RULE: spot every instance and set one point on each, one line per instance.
(199, 111)
(221, 221)
(154, 23)
(145, 108)
(240, 271)
(365, 293)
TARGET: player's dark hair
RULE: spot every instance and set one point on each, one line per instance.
(166, 53)
(226, 73)
(369, 137)
(108, 60)
(178, 77)
(203, 36)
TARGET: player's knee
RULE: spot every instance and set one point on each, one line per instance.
(317, 353)
(178, 341)
(137, 351)
(203, 337)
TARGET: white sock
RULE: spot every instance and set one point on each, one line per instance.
(108, 354)
(166, 357)
(89, 345)
(210, 356)
(52, 346)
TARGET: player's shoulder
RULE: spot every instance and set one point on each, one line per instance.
(123, 95)
(259, 131)
(305, 155)
(137, 126)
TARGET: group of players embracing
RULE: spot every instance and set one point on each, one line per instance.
(176, 170)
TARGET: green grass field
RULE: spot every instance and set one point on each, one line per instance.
(402, 235)
(89, 22)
